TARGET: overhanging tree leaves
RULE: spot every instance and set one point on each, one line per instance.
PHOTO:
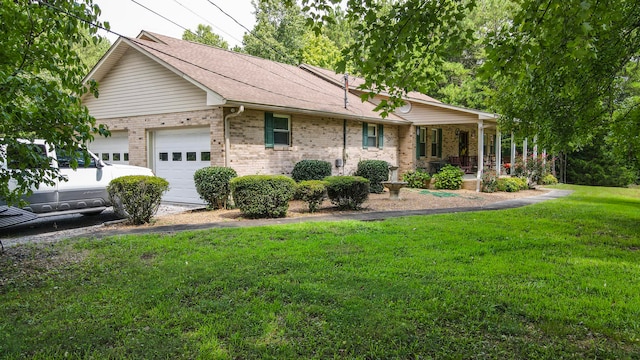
(399, 45)
(41, 77)
(557, 66)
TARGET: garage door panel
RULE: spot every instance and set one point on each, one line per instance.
(114, 149)
(178, 154)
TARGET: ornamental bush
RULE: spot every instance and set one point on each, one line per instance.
(376, 171)
(263, 196)
(212, 184)
(347, 192)
(549, 179)
(311, 170)
(137, 197)
(313, 192)
(449, 177)
(512, 184)
(489, 181)
(419, 179)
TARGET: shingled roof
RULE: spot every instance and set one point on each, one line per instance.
(355, 82)
(241, 79)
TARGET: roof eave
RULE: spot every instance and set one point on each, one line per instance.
(335, 115)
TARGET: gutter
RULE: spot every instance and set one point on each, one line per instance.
(227, 137)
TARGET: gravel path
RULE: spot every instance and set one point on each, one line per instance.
(181, 216)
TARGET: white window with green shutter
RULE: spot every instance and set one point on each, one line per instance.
(277, 130)
(436, 142)
(372, 136)
(421, 141)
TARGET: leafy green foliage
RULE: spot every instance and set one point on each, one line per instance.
(595, 165)
(311, 170)
(556, 67)
(512, 184)
(489, 181)
(278, 32)
(549, 179)
(205, 35)
(212, 184)
(263, 196)
(449, 177)
(376, 171)
(313, 192)
(347, 192)
(418, 179)
(137, 196)
(41, 81)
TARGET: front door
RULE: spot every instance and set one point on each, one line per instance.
(463, 146)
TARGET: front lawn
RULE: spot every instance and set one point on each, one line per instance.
(560, 279)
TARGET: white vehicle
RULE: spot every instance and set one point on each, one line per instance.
(84, 191)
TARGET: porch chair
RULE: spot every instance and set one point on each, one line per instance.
(465, 165)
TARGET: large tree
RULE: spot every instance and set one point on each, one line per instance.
(558, 66)
(205, 35)
(278, 32)
(41, 81)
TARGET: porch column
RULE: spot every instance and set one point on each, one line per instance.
(498, 152)
(513, 153)
(480, 154)
(535, 147)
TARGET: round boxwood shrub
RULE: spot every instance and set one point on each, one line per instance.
(449, 177)
(311, 170)
(347, 192)
(376, 171)
(263, 196)
(137, 197)
(212, 184)
(313, 192)
(418, 179)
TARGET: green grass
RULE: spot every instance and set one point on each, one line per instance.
(560, 279)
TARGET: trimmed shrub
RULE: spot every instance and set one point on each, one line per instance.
(313, 192)
(311, 170)
(137, 197)
(549, 179)
(419, 179)
(449, 177)
(489, 181)
(263, 196)
(212, 184)
(376, 171)
(347, 192)
(512, 184)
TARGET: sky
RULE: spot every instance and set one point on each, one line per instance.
(128, 18)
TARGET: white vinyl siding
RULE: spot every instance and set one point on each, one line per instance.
(137, 85)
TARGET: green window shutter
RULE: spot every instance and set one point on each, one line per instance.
(380, 136)
(417, 142)
(439, 143)
(365, 132)
(268, 130)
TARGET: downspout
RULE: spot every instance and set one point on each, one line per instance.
(227, 141)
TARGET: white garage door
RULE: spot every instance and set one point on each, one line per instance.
(177, 156)
(114, 149)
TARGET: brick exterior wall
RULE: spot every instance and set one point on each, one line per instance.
(312, 138)
(138, 126)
